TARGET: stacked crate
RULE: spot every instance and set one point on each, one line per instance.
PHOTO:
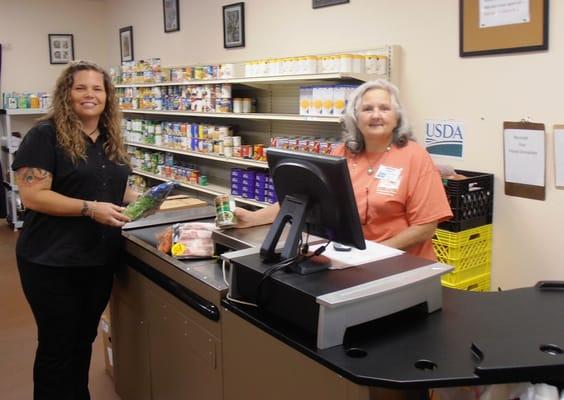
(465, 241)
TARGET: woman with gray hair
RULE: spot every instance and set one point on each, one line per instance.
(398, 191)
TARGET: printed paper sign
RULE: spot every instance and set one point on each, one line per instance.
(444, 138)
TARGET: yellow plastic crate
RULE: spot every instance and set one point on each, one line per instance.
(458, 276)
(453, 246)
(480, 283)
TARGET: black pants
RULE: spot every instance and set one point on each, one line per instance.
(67, 304)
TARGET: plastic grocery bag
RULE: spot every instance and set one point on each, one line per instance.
(192, 240)
(149, 202)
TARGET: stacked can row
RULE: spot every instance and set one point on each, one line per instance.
(13, 100)
(331, 63)
(151, 71)
(324, 100)
(252, 184)
(196, 98)
(137, 183)
(164, 165)
(308, 144)
(203, 138)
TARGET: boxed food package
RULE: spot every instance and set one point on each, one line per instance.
(107, 342)
(306, 93)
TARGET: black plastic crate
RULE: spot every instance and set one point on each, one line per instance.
(471, 201)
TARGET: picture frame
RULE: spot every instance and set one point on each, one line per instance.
(234, 25)
(510, 30)
(327, 3)
(126, 43)
(171, 16)
(61, 48)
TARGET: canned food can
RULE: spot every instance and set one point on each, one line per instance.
(236, 141)
(224, 210)
(227, 140)
(237, 151)
(246, 105)
(198, 73)
(237, 105)
(223, 131)
(203, 180)
(225, 91)
(258, 152)
(228, 151)
(246, 151)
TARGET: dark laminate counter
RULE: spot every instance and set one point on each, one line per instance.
(477, 338)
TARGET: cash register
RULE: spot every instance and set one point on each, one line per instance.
(316, 198)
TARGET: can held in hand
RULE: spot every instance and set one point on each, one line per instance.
(224, 211)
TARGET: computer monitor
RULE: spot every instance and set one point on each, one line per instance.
(316, 196)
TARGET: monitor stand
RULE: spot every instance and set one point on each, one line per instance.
(292, 210)
(311, 265)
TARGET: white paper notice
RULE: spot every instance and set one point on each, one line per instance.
(354, 257)
(503, 12)
(524, 156)
(559, 155)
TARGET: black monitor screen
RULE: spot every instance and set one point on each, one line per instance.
(315, 195)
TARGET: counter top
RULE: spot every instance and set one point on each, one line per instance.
(144, 234)
(477, 338)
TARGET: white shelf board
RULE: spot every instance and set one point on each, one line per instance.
(25, 111)
(261, 79)
(210, 188)
(255, 116)
(230, 160)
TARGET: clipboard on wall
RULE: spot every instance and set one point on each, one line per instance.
(559, 156)
(524, 151)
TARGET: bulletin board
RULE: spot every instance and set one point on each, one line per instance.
(518, 37)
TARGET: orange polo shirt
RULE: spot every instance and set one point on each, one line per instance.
(402, 189)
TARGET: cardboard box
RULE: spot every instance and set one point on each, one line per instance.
(107, 340)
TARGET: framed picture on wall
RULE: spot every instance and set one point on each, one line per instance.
(171, 16)
(61, 48)
(326, 3)
(234, 25)
(126, 43)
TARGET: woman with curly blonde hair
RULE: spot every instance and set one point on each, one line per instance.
(72, 171)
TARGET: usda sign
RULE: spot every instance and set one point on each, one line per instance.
(444, 138)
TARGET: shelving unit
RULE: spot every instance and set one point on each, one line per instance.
(211, 189)
(247, 116)
(277, 114)
(8, 148)
(231, 160)
(310, 78)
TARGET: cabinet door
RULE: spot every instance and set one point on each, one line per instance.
(130, 336)
(185, 358)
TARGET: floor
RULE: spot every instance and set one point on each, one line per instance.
(18, 335)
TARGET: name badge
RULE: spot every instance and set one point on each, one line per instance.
(389, 180)
(388, 173)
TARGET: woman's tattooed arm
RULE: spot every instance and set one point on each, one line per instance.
(32, 176)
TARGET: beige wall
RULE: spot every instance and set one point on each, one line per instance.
(24, 26)
(436, 83)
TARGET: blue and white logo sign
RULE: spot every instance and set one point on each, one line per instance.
(444, 138)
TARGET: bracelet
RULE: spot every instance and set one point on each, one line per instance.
(93, 211)
(84, 209)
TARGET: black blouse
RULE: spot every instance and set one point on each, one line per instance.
(70, 241)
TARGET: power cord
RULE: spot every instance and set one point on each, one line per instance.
(302, 256)
(247, 303)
